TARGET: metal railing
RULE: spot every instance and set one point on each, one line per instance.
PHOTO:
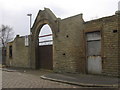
(45, 42)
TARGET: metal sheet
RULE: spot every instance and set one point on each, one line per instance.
(94, 48)
(93, 36)
(94, 65)
(94, 52)
(26, 40)
(46, 57)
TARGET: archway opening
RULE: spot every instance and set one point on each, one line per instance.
(45, 53)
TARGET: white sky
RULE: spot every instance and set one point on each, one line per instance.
(14, 12)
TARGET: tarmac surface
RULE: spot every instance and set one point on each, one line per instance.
(49, 79)
(84, 80)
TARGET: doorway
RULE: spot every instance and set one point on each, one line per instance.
(94, 61)
(45, 52)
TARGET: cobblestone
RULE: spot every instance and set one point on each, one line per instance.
(25, 80)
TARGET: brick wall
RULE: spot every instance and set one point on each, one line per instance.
(110, 45)
(20, 54)
(68, 46)
(108, 26)
(118, 41)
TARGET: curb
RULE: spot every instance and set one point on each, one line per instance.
(76, 83)
(8, 70)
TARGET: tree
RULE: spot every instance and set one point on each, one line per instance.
(6, 35)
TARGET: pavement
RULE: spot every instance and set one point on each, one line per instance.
(76, 79)
(83, 80)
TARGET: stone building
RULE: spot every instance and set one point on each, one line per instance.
(18, 53)
(78, 47)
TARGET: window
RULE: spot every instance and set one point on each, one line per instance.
(10, 51)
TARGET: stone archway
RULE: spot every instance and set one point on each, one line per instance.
(45, 50)
(44, 17)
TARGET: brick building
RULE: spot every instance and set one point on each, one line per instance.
(78, 47)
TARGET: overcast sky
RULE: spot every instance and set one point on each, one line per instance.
(14, 12)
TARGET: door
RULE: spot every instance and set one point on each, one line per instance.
(46, 57)
(94, 65)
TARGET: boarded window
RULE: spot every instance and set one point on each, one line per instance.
(93, 36)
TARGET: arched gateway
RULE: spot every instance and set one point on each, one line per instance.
(44, 17)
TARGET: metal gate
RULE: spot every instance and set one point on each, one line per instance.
(94, 62)
(45, 53)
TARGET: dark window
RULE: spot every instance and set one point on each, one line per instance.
(10, 51)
